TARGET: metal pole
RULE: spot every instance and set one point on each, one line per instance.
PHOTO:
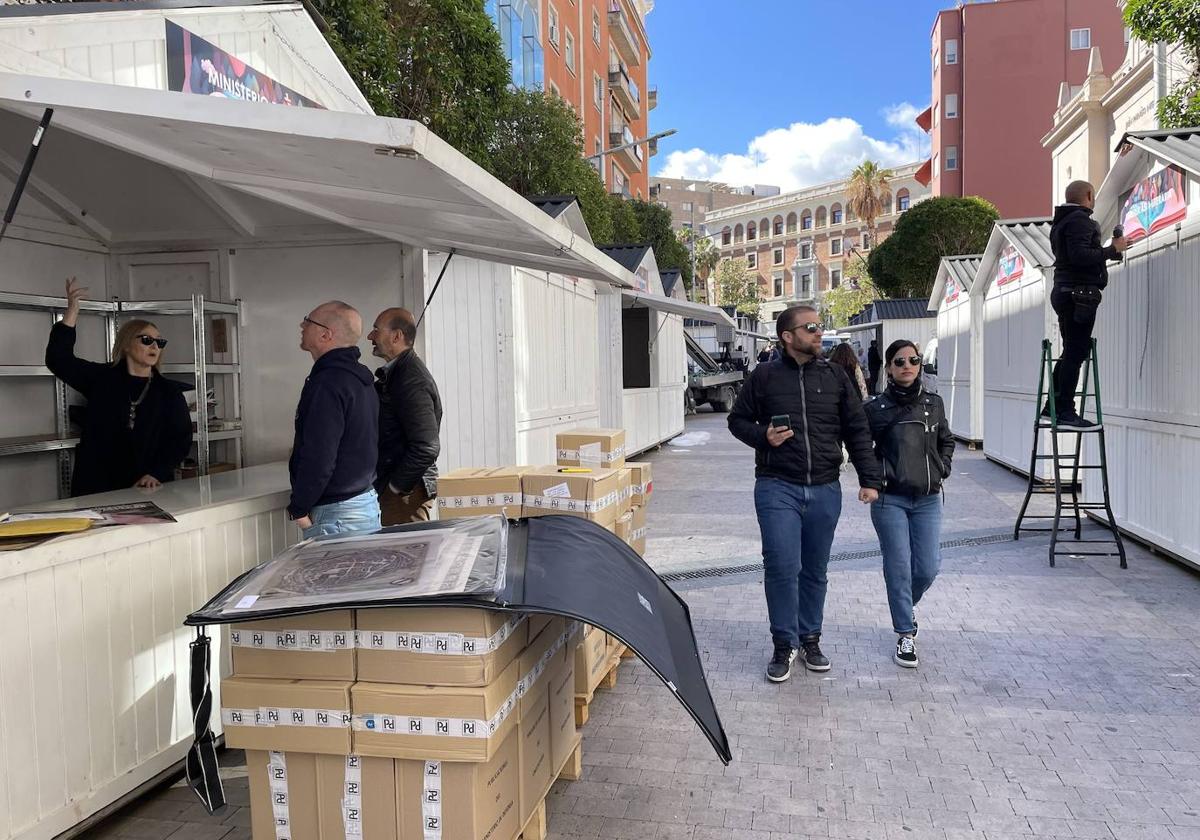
(34, 147)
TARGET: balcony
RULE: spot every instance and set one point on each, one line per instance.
(630, 156)
(652, 99)
(625, 90)
(621, 32)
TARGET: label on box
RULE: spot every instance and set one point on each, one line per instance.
(558, 491)
(485, 501)
(443, 644)
(642, 489)
(313, 641)
(550, 502)
(277, 778)
(352, 798)
(271, 716)
(638, 534)
(431, 801)
(590, 455)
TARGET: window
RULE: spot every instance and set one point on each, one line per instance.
(951, 106)
(619, 183)
(952, 51)
(519, 25)
(806, 251)
(752, 260)
(777, 257)
(805, 285)
(791, 223)
(751, 232)
(1081, 39)
(806, 221)
(737, 233)
(726, 236)
(569, 53)
(777, 227)
(596, 27)
(951, 158)
(778, 285)
(554, 33)
(598, 92)
(835, 216)
(902, 201)
(835, 278)
(835, 246)
(686, 207)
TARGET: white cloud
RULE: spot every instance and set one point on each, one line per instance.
(803, 154)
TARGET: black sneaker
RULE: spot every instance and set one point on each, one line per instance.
(780, 667)
(906, 652)
(814, 660)
(1075, 421)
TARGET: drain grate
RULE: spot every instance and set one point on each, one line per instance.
(727, 571)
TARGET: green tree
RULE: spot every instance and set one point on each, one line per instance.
(1172, 22)
(537, 149)
(364, 40)
(707, 256)
(906, 263)
(737, 287)
(839, 305)
(654, 225)
(626, 229)
(868, 193)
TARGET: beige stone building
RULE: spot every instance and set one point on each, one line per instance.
(690, 200)
(799, 243)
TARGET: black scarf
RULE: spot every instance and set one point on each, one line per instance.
(905, 395)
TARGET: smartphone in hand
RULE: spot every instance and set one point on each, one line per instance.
(781, 421)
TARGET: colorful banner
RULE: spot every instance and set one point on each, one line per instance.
(951, 290)
(196, 66)
(1154, 203)
(1010, 267)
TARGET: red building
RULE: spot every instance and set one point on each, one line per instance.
(997, 69)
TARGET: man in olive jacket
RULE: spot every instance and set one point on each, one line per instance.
(410, 416)
(796, 412)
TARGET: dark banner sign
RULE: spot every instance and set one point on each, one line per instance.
(196, 66)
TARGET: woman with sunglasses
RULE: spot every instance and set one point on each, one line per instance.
(914, 448)
(137, 429)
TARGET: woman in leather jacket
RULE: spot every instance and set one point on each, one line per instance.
(914, 447)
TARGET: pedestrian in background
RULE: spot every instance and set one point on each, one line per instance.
(410, 416)
(843, 356)
(874, 365)
(795, 412)
(336, 445)
(914, 450)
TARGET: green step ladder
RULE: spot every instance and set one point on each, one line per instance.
(1067, 467)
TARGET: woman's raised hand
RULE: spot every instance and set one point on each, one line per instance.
(75, 294)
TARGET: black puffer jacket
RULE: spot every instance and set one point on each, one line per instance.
(1079, 259)
(825, 410)
(912, 442)
(410, 415)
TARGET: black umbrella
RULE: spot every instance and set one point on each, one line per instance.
(560, 565)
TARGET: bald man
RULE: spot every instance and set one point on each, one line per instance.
(410, 416)
(332, 466)
(1080, 275)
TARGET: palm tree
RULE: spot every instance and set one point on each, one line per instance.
(868, 192)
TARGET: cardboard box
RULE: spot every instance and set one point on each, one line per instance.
(591, 660)
(304, 716)
(637, 537)
(624, 526)
(480, 492)
(626, 489)
(560, 680)
(535, 659)
(642, 484)
(614, 646)
(440, 723)
(283, 795)
(438, 645)
(593, 495)
(318, 646)
(534, 754)
(461, 801)
(356, 797)
(537, 623)
(595, 448)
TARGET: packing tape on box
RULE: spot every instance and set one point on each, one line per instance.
(573, 505)
(438, 644)
(490, 500)
(277, 779)
(585, 457)
(270, 716)
(440, 727)
(431, 801)
(638, 534)
(312, 641)
(352, 817)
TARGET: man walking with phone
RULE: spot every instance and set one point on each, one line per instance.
(796, 412)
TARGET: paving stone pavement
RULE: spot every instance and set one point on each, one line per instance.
(1050, 703)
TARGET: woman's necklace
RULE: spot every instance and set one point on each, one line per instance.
(133, 404)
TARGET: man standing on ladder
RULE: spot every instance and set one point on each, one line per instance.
(1080, 273)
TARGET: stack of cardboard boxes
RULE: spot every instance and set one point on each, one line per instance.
(400, 723)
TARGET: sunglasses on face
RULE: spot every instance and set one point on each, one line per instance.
(901, 361)
(812, 327)
(147, 340)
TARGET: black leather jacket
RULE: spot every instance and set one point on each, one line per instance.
(410, 417)
(913, 443)
(1079, 258)
(824, 409)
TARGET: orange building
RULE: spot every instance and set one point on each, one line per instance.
(594, 54)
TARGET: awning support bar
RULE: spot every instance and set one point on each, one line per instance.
(436, 283)
(23, 178)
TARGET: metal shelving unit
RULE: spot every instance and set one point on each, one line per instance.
(201, 369)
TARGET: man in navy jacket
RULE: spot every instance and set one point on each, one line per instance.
(332, 467)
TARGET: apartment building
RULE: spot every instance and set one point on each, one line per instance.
(997, 67)
(594, 54)
(798, 243)
(690, 200)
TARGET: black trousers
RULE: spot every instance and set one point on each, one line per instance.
(1075, 323)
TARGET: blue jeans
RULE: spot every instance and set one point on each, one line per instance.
(909, 529)
(797, 524)
(359, 513)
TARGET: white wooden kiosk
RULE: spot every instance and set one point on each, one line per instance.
(147, 193)
(885, 321)
(960, 345)
(1014, 280)
(1146, 337)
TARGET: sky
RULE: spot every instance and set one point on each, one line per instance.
(788, 92)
